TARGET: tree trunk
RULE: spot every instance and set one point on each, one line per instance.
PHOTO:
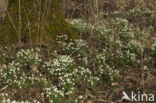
(38, 20)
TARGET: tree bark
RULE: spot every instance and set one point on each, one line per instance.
(36, 19)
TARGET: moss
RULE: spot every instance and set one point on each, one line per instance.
(54, 23)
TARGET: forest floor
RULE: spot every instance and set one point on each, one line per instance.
(115, 54)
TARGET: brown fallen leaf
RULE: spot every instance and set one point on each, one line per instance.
(34, 68)
(150, 81)
(89, 94)
(153, 72)
(131, 78)
(89, 101)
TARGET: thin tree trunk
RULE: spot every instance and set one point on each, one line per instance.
(42, 19)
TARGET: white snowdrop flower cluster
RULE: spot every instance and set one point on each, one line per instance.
(104, 68)
(68, 76)
(126, 57)
(59, 65)
(134, 46)
(120, 22)
(84, 60)
(135, 11)
(62, 68)
(101, 58)
(9, 73)
(12, 74)
(4, 98)
(77, 46)
(116, 12)
(80, 44)
(79, 25)
(119, 54)
(145, 68)
(61, 37)
(80, 96)
(81, 71)
(153, 48)
(13, 101)
(25, 81)
(54, 91)
(130, 57)
(84, 74)
(53, 94)
(113, 74)
(100, 28)
(118, 44)
(93, 79)
(84, 27)
(66, 59)
(28, 57)
(122, 29)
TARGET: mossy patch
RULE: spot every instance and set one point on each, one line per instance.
(39, 19)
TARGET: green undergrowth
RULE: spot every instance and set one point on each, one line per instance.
(66, 73)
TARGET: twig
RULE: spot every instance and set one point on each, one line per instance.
(13, 24)
(20, 23)
(5, 87)
(28, 25)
